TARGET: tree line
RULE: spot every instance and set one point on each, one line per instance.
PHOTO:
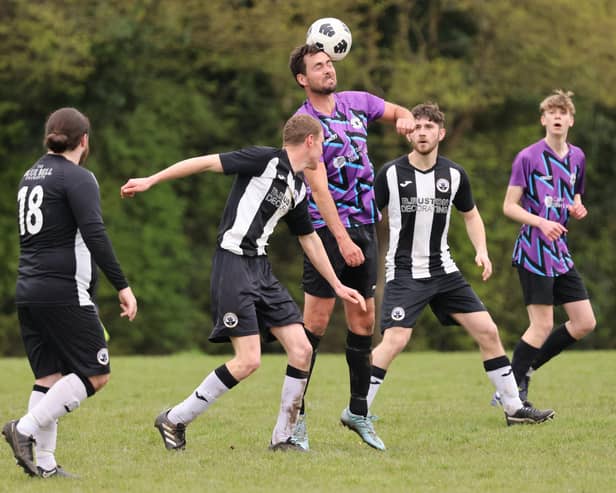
(162, 80)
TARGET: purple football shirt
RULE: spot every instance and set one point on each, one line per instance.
(345, 153)
(549, 184)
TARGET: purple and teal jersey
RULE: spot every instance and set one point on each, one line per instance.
(350, 173)
(549, 184)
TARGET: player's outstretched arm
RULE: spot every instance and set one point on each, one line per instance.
(191, 166)
(401, 117)
(313, 246)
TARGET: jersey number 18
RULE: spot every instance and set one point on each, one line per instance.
(30, 214)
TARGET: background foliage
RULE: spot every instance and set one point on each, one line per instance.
(162, 80)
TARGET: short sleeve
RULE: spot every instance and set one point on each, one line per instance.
(248, 161)
(463, 200)
(519, 171)
(372, 105)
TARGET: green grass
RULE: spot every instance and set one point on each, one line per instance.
(441, 434)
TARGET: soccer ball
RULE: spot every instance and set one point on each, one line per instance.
(332, 35)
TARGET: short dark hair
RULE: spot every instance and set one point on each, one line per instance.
(64, 129)
(298, 127)
(430, 111)
(296, 59)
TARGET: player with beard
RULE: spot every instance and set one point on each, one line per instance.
(343, 211)
(62, 240)
(419, 190)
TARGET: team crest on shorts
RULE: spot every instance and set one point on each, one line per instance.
(397, 313)
(102, 356)
(230, 320)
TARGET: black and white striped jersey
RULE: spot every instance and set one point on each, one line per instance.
(265, 190)
(62, 236)
(419, 209)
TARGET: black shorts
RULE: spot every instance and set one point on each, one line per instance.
(64, 339)
(247, 298)
(405, 298)
(362, 278)
(543, 290)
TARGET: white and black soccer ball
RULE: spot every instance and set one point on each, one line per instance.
(332, 35)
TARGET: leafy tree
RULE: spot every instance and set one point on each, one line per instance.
(166, 79)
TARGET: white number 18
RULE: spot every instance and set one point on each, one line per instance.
(30, 219)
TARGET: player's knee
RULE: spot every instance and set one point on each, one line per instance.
(300, 354)
(49, 380)
(99, 381)
(363, 326)
(487, 335)
(396, 346)
(395, 340)
(360, 322)
(541, 328)
(317, 313)
(305, 352)
(583, 327)
(317, 324)
(248, 366)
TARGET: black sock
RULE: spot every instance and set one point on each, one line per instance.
(558, 340)
(358, 358)
(314, 342)
(378, 372)
(223, 373)
(523, 356)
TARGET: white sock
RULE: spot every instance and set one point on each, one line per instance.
(375, 385)
(195, 404)
(290, 403)
(65, 396)
(505, 384)
(45, 437)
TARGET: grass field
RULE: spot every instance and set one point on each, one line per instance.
(435, 418)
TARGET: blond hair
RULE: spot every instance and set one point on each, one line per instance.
(559, 99)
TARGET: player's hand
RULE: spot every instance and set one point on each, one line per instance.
(351, 295)
(482, 260)
(405, 126)
(128, 303)
(551, 229)
(351, 253)
(578, 210)
(135, 185)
